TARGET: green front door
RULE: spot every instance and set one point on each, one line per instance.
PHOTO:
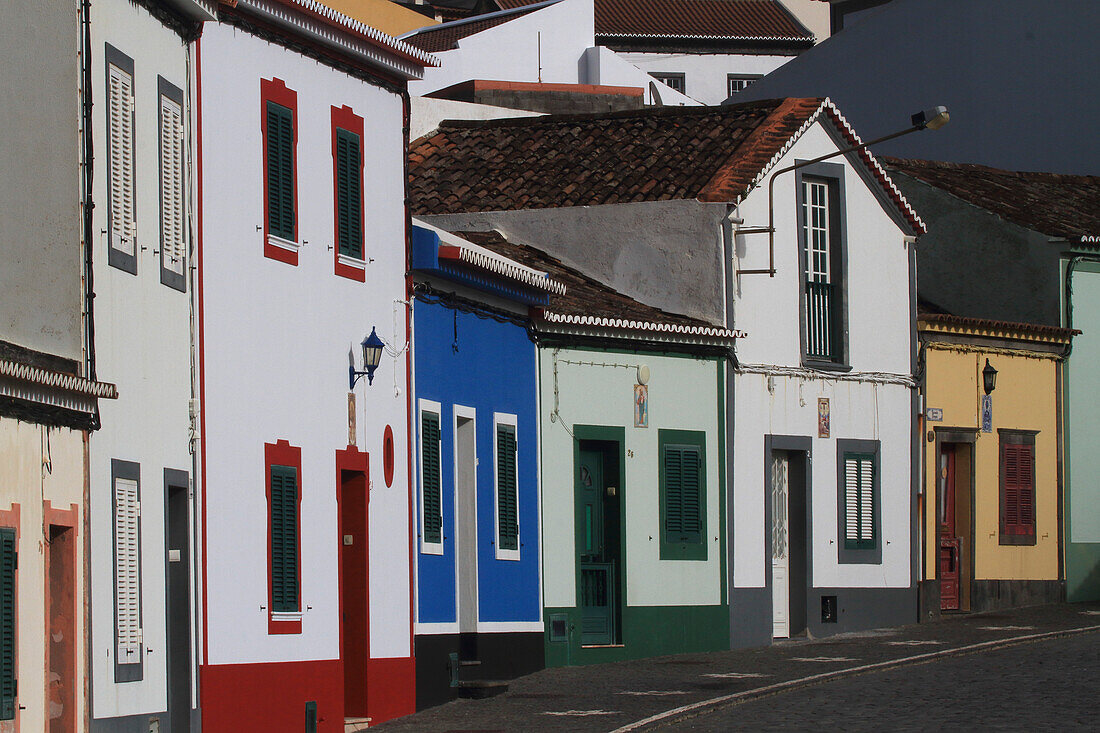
(596, 554)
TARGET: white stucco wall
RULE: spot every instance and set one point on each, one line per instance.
(276, 346)
(683, 395)
(705, 73)
(142, 346)
(879, 330)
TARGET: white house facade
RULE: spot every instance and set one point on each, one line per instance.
(305, 507)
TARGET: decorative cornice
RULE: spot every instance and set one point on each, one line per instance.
(57, 389)
(502, 266)
(962, 326)
(623, 328)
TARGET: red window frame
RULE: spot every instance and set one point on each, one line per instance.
(275, 90)
(282, 453)
(344, 118)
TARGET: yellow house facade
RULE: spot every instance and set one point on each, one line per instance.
(991, 517)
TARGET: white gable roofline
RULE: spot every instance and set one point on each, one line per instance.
(841, 125)
(520, 10)
(332, 28)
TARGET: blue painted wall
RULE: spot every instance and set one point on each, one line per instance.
(491, 368)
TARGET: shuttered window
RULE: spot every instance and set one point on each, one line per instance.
(284, 539)
(1017, 489)
(120, 164)
(172, 222)
(280, 171)
(431, 488)
(507, 496)
(860, 532)
(127, 571)
(349, 193)
(683, 495)
(8, 565)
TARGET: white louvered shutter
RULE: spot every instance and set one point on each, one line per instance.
(859, 501)
(171, 183)
(120, 164)
(866, 501)
(851, 500)
(127, 571)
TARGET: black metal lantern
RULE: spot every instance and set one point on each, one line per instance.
(372, 355)
(989, 377)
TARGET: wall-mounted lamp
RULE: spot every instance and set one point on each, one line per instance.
(372, 355)
(989, 377)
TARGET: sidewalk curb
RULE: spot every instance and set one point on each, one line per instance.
(737, 698)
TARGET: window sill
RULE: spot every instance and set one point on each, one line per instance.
(350, 267)
(284, 622)
(283, 250)
(431, 548)
(1017, 539)
(510, 555)
(825, 366)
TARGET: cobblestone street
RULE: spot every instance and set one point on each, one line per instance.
(1025, 668)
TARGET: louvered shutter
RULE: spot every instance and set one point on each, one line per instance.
(7, 623)
(349, 196)
(171, 185)
(284, 539)
(1018, 492)
(859, 501)
(128, 570)
(507, 499)
(280, 171)
(683, 494)
(433, 500)
(120, 159)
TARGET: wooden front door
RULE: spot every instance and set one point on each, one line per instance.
(355, 611)
(597, 550)
(949, 552)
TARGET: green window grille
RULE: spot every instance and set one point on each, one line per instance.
(280, 171)
(432, 489)
(284, 539)
(683, 494)
(8, 564)
(860, 532)
(349, 194)
(507, 499)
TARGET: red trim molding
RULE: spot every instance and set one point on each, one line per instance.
(344, 118)
(275, 90)
(392, 688)
(282, 453)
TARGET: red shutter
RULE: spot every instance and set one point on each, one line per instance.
(1018, 499)
(1026, 490)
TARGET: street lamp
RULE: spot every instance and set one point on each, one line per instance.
(989, 377)
(929, 119)
(372, 355)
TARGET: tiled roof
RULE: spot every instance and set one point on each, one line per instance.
(587, 302)
(445, 36)
(764, 20)
(1050, 203)
(1007, 328)
(655, 154)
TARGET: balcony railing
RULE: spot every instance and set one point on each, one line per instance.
(821, 331)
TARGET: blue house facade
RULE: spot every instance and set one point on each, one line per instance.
(478, 555)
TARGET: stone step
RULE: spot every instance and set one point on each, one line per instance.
(481, 689)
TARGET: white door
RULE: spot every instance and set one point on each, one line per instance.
(781, 591)
(466, 495)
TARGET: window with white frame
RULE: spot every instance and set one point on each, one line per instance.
(431, 479)
(675, 80)
(820, 193)
(737, 82)
(127, 551)
(121, 215)
(173, 237)
(506, 454)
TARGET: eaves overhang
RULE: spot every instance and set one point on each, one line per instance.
(57, 389)
(623, 329)
(341, 33)
(949, 325)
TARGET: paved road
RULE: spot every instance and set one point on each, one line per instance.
(1042, 685)
(605, 697)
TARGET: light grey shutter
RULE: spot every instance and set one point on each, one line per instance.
(127, 571)
(866, 500)
(171, 181)
(120, 164)
(851, 500)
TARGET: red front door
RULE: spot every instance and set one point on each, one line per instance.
(949, 542)
(355, 637)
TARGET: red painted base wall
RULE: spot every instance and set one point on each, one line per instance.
(271, 696)
(391, 688)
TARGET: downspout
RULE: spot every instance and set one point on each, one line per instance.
(729, 240)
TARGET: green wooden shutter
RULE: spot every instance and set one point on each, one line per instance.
(433, 500)
(349, 195)
(683, 494)
(284, 539)
(280, 171)
(8, 565)
(507, 500)
(859, 501)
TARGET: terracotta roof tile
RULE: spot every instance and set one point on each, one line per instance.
(1050, 203)
(738, 19)
(653, 154)
(584, 296)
